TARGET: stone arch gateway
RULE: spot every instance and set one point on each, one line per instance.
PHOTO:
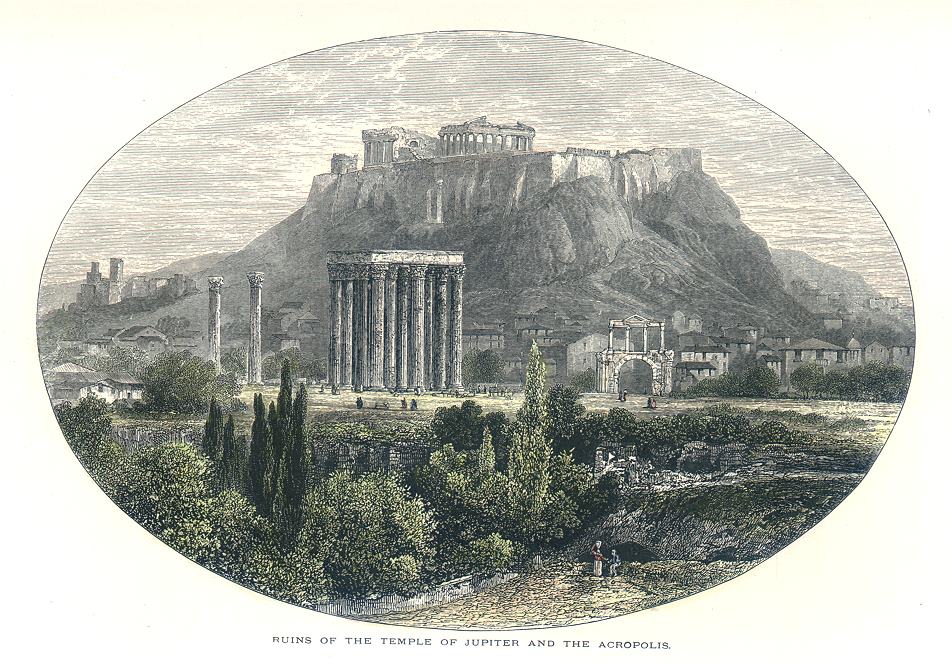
(611, 360)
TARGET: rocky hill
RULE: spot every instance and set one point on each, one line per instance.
(797, 265)
(646, 232)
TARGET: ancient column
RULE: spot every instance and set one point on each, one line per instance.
(627, 339)
(375, 311)
(389, 328)
(360, 327)
(254, 341)
(417, 339)
(456, 328)
(214, 320)
(347, 328)
(439, 201)
(646, 338)
(439, 333)
(335, 290)
(402, 319)
(428, 328)
(661, 330)
(611, 338)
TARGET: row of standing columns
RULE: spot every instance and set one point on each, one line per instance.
(478, 143)
(396, 326)
(255, 279)
(378, 152)
(644, 329)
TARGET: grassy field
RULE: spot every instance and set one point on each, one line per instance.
(861, 424)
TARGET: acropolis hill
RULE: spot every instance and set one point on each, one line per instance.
(444, 189)
(611, 231)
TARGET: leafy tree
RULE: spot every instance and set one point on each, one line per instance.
(807, 379)
(180, 382)
(563, 411)
(482, 366)
(489, 555)
(234, 362)
(463, 427)
(371, 534)
(529, 455)
(120, 359)
(166, 490)
(728, 384)
(87, 429)
(300, 365)
(586, 381)
(760, 381)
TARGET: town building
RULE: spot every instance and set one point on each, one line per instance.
(903, 356)
(690, 373)
(875, 352)
(810, 351)
(142, 337)
(717, 356)
(482, 339)
(582, 354)
(71, 382)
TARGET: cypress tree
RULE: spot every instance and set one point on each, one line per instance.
(214, 432)
(277, 453)
(261, 459)
(299, 458)
(229, 468)
(530, 453)
(486, 457)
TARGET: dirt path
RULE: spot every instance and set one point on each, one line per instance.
(558, 595)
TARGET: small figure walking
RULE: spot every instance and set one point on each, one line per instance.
(614, 562)
(624, 395)
(413, 404)
(360, 403)
(597, 558)
(403, 403)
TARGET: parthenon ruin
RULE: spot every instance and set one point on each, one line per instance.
(396, 319)
(479, 136)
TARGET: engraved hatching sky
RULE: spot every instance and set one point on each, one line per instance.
(220, 170)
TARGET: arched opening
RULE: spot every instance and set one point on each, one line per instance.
(414, 144)
(636, 377)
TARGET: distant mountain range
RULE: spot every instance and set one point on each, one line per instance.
(795, 265)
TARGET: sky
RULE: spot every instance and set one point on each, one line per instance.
(215, 173)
